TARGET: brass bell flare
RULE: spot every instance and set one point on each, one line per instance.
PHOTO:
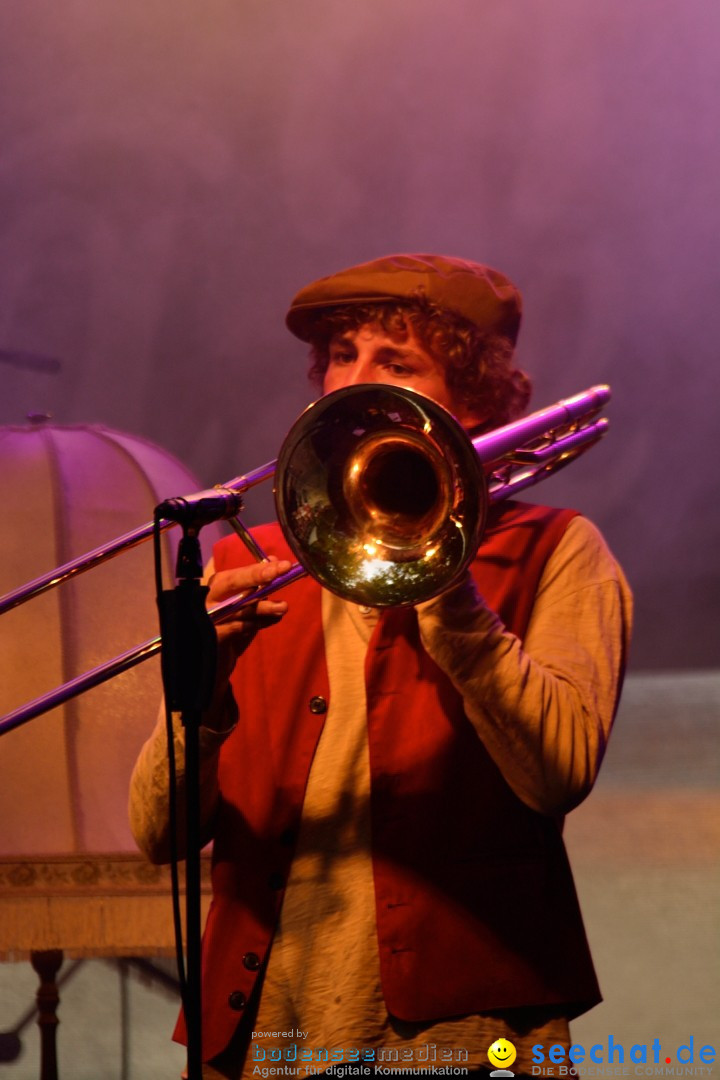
(380, 495)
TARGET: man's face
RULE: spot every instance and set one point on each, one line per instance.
(371, 355)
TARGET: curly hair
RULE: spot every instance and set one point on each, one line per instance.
(478, 366)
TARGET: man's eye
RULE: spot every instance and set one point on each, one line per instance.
(342, 357)
(399, 369)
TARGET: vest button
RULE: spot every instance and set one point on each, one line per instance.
(276, 880)
(318, 705)
(237, 1000)
(251, 961)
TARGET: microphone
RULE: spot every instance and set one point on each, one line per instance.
(201, 508)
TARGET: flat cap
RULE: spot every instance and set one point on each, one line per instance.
(480, 294)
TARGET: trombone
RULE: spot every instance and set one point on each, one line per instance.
(382, 497)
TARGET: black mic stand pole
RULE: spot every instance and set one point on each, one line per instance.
(188, 664)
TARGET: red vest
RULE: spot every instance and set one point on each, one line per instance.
(476, 907)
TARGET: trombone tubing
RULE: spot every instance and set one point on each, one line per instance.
(496, 444)
(115, 547)
(104, 672)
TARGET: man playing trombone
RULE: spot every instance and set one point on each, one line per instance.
(385, 789)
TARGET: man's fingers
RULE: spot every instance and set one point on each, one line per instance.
(226, 583)
(255, 614)
(258, 622)
(252, 618)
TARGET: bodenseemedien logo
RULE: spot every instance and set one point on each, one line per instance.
(501, 1054)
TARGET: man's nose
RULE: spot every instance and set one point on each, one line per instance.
(362, 371)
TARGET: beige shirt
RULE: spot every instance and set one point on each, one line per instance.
(544, 711)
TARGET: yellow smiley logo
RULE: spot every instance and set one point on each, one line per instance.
(502, 1053)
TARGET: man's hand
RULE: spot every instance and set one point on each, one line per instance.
(235, 634)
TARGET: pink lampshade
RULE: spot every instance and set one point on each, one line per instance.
(70, 875)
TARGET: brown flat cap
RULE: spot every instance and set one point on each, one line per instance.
(483, 296)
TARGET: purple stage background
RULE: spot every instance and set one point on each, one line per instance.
(172, 171)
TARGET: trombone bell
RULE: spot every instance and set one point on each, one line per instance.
(381, 495)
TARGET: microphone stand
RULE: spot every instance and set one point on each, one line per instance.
(188, 670)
